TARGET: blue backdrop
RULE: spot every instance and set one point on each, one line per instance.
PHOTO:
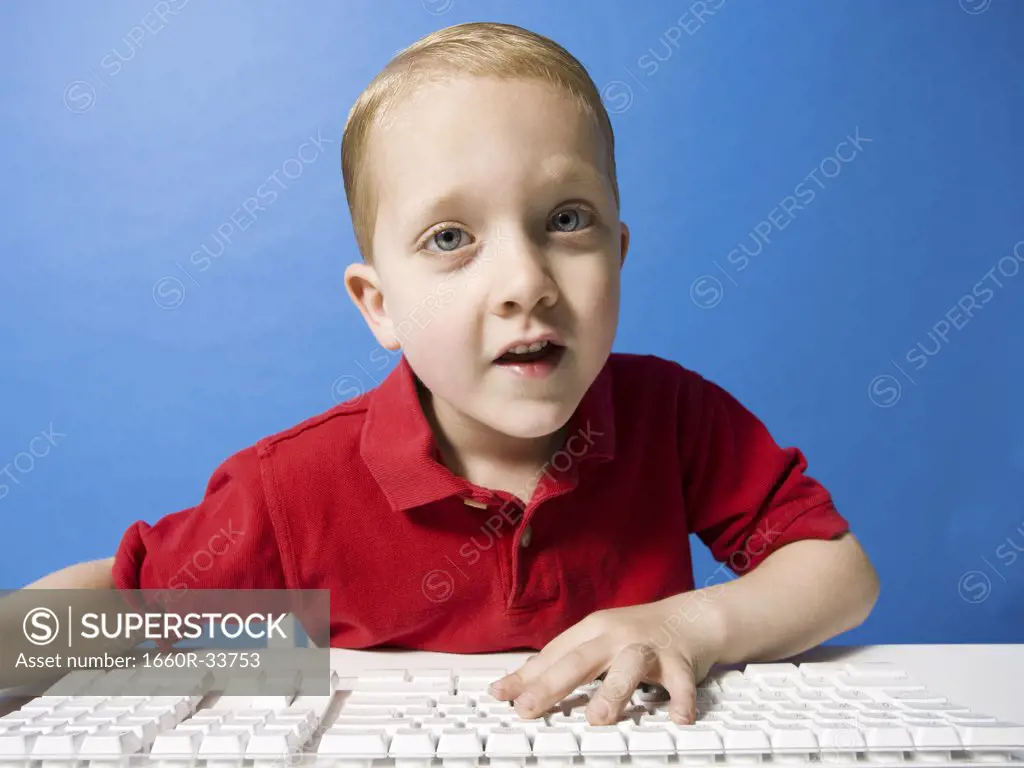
(825, 201)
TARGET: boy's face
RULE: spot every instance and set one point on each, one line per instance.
(496, 225)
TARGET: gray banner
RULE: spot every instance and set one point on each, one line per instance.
(271, 643)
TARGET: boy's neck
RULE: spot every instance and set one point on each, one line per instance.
(484, 456)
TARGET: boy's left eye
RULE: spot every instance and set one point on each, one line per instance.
(447, 240)
(570, 220)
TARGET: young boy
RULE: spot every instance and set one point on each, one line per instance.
(512, 484)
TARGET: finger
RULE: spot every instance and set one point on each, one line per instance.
(676, 674)
(512, 685)
(576, 667)
(627, 670)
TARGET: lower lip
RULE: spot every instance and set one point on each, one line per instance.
(538, 369)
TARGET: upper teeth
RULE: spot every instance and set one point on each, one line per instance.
(522, 349)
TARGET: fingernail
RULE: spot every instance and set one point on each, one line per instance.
(682, 716)
(527, 701)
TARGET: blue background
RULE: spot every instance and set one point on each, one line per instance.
(126, 148)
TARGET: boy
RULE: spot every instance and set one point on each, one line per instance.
(558, 481)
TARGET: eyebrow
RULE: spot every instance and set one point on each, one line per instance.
(557, 170)
(563, 171)
(418, 213)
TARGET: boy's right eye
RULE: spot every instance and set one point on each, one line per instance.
(447, 240)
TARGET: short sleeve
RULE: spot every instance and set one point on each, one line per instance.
(226, 542)
(745, 496)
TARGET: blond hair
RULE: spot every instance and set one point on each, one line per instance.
(475, 48)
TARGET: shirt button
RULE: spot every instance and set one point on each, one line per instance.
(526, 538)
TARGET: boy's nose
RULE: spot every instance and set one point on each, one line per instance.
(522, 279)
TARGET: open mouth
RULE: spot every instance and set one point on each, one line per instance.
(540, 351)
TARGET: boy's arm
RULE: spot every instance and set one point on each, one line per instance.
(94, 574)
(801, 595)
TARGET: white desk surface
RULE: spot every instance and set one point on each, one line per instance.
(987, 678)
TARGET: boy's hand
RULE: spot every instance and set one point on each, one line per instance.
(633, 645)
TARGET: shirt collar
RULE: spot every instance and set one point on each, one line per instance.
(399, 449)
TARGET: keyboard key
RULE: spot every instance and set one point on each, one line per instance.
(822, 668)
(485, 675)
(362, 699)
(317, 704)
(369, 744)
(530, 726)
(771, 696)
(810, 696)
(878, 718)
(934, 736)
(57, 745)
(880, 707)
(177, 746)
(650, 741)
(739, 684)
(875, 669)
(43, 703)
(938, 708)
(971, 718)
(850, 695)
(146, 732)
(599, 740)
(456, 712)
(459, 743)
(785, 684)
(862, 682)
(555, 742)
(716, 677)
(445, 676)
(997, 735)
(413, 743)
(839, 737)
(888, 738)
(110, 745)
(373, 676)
(507, 744)
(695, 740)
(745, 738)
(386, 724)
(223, 746)
(266, 746)
(367, 713)
(484, 725)
(925, 718)
(792, 740)
(759, 671)
(822, 684)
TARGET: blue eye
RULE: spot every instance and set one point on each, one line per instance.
(570, 220)
(448, 240)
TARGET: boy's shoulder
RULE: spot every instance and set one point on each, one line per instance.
(650, 373)
(339, 425)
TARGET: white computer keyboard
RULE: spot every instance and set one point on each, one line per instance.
(834, 713)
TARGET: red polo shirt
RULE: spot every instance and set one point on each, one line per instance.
(355, 501)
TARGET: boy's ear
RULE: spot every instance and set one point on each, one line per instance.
(364, 288)
(624, 238)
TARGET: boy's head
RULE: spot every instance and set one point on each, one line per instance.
(480, 174)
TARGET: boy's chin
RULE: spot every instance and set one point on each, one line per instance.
(530, 421)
